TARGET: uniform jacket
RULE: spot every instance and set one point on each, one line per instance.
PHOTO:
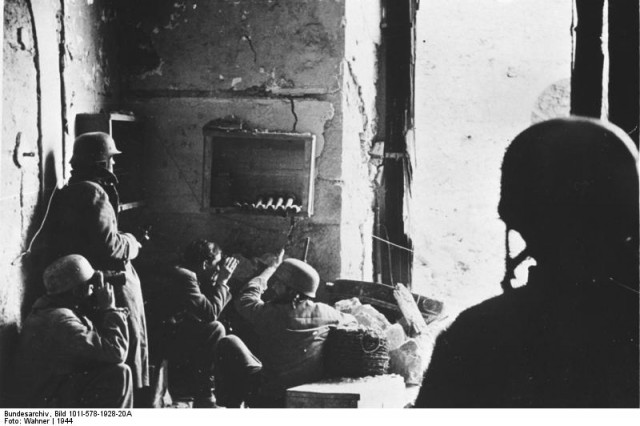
(186, 298)
(84, 221)
(57, 341)
(539, 346)
(290, 338)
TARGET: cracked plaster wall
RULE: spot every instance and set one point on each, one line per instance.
(277, 65)
(360, 121)
(43, 88)
(237, 45)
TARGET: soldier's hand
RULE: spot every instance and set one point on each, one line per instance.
(230, 264)
(134, 246)
(272, 260)
(279, 258)
(105, 298)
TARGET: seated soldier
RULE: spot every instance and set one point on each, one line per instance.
(194, 293)
(65, 359)
(291, 329)
(569, 337)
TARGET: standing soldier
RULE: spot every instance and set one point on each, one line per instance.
(83, 220)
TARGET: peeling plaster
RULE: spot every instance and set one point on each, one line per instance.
(235, 82)
(361, 102)
(179, 9)
(300, 40)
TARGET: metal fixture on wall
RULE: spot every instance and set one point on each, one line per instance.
(278, 207)
(258, 172)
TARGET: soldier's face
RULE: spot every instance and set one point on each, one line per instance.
(84, 290)
(110, 164)
(211, 265)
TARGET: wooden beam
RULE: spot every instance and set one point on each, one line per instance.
(586, 78)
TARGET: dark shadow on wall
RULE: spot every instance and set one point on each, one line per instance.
(136, 51)
(8, 342)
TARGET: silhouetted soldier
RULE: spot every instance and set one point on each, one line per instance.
(569, 338)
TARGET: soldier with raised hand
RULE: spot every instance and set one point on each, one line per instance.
(189, 298)
(292, 329)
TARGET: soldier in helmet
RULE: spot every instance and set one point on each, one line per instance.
(291, 328)
(569, 337)
(84, 220)
(64, 358)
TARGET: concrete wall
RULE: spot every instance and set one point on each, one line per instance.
(360, 127)
(42, 90)
(485, 71)
(301, 66)
(276, 65)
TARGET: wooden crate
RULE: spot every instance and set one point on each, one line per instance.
(386, 391)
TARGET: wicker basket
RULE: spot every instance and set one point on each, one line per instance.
(356, 352)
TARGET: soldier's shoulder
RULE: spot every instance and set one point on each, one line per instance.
(83, 186)
(83, 190)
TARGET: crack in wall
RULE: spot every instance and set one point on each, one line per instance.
(36, 63)
(295, 116)
(63, 90)
(22, 219)
(248, 39)
(361, 102)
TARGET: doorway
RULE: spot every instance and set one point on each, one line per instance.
(484, 71)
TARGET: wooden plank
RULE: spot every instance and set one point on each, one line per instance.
(384, 391)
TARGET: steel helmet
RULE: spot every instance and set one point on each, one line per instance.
(66, 273)
(571, 175)
(299, 276)
(92, 148)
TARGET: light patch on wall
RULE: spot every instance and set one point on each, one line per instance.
(484, 72)
(235, 82)
(156, 71)
(553, 102)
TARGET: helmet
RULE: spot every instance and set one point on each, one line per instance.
(66, 273)
(299, 276)
(94, 147)
(572, 175)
